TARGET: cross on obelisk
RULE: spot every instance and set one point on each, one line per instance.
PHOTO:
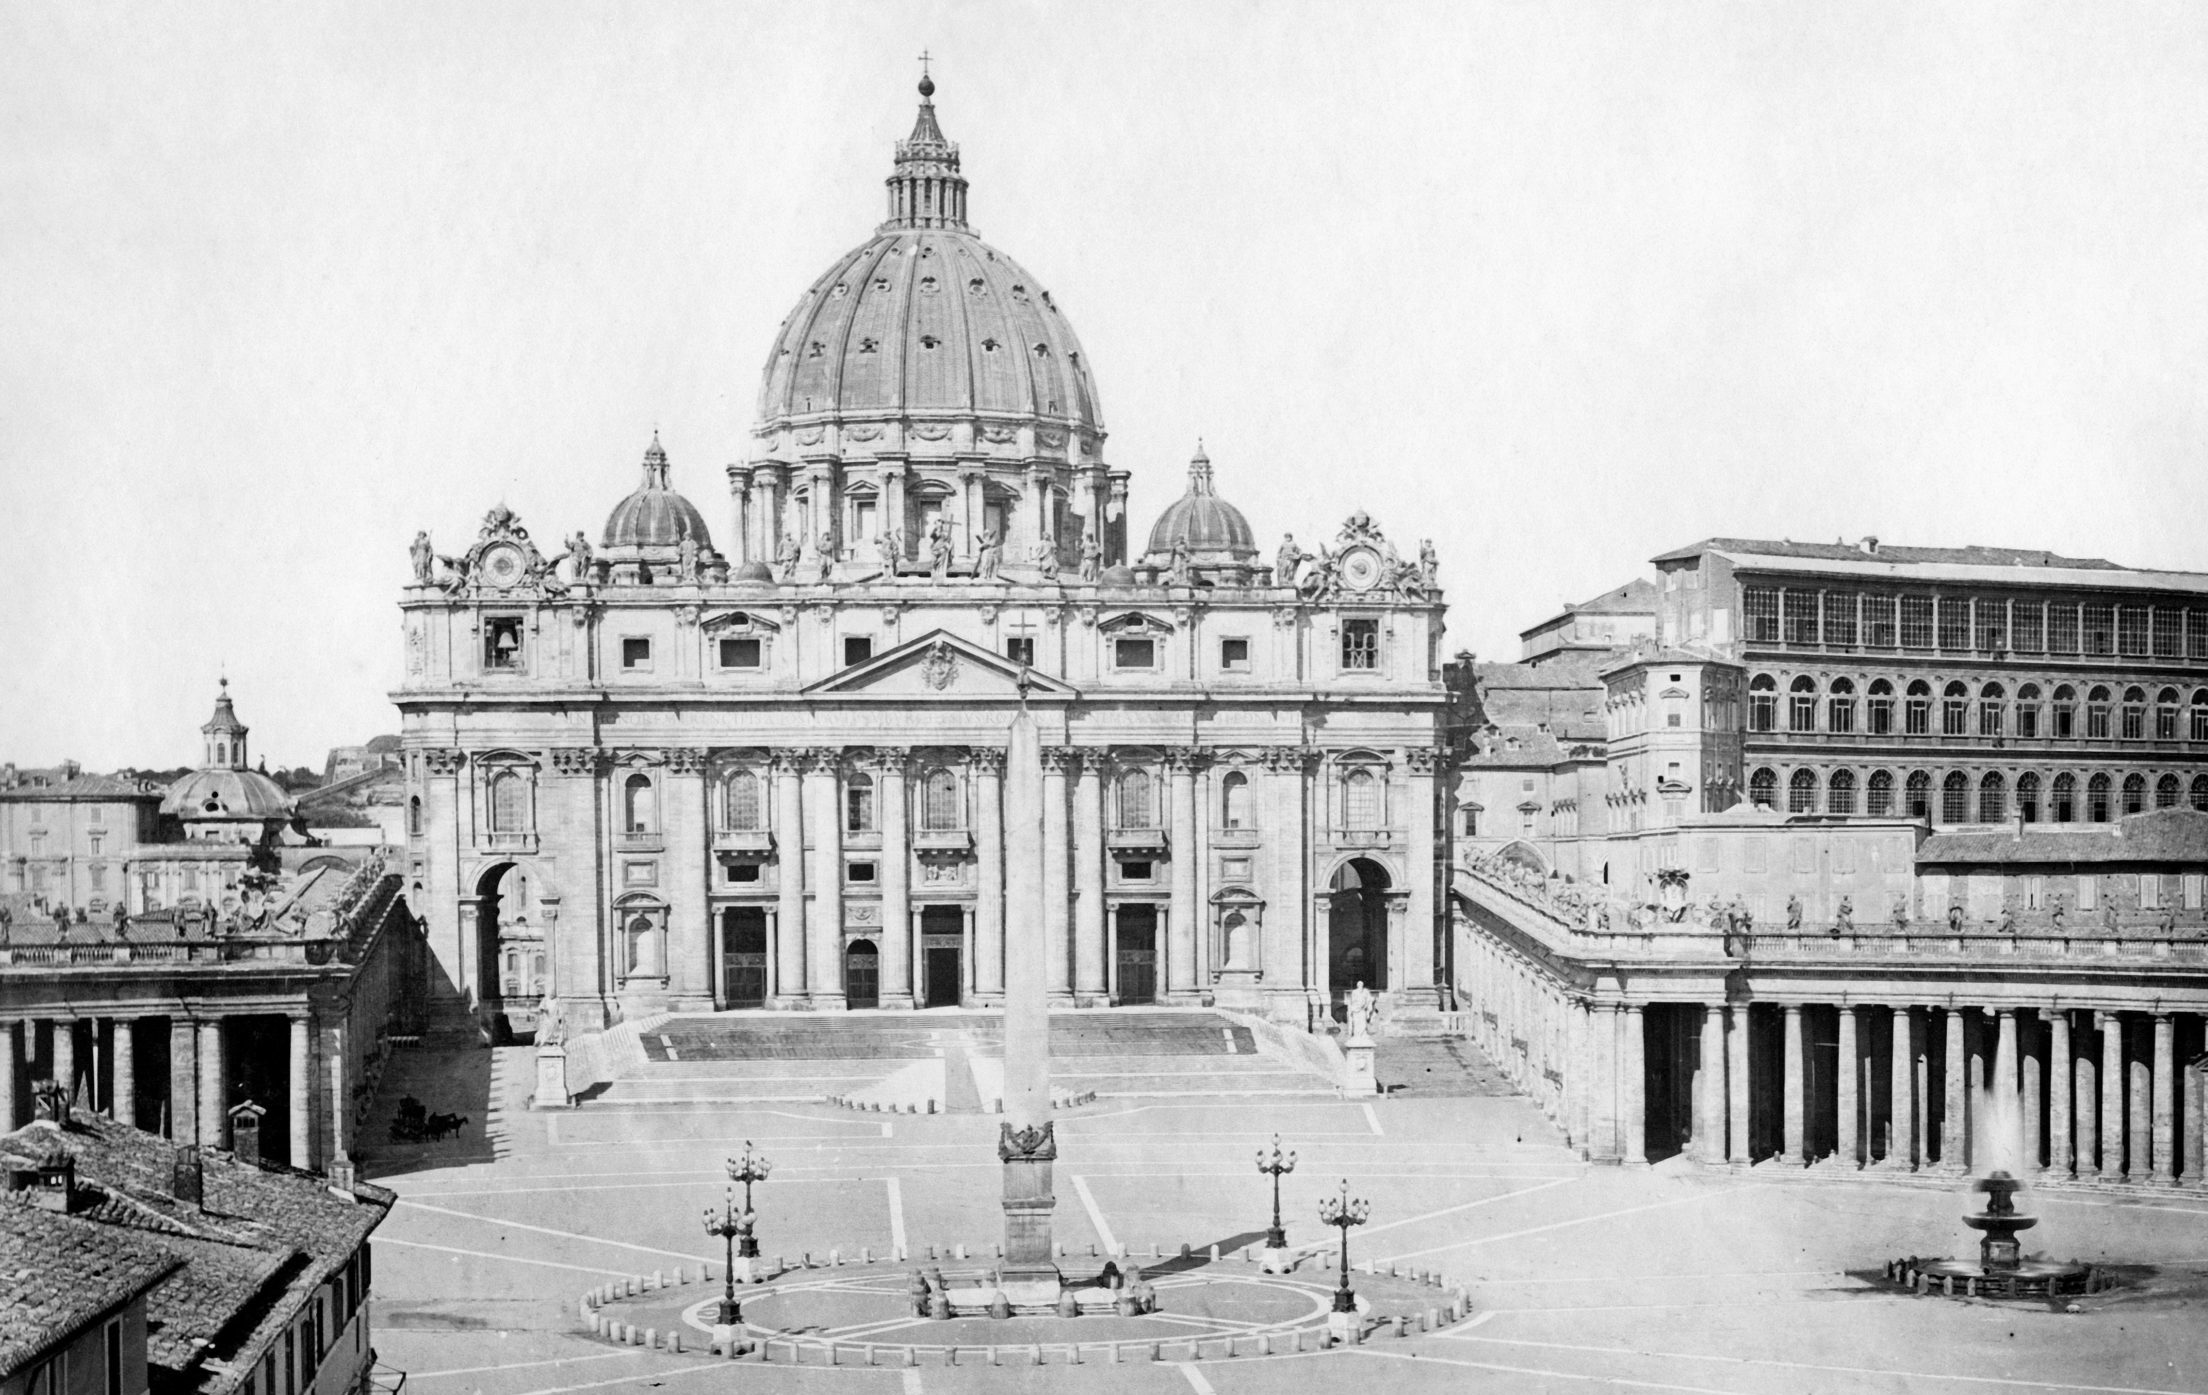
(1025, 1141)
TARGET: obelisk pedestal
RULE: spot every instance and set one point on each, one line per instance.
(1025, 1143)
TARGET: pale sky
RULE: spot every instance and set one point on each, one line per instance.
(1560, 285)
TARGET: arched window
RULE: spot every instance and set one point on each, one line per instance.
(1991, 701)
(1137, 808)
(1840, 793)
(2027, 798)
(1955, 798)
(414, 816)
(1918, 795)
(1802, 704)
(1878, 799)
(2198, 729)
(2135, 714)
(941, 810)
(640, 810)
(1879, 708)
(509, 803)
(1360, 800)
(1917, 710)
(1763, 788)
(2166, 791)
(1763, 703)
(2027, 710)
(1801, 793)
(2165, 715)
(1993, 798)
(1234, 800)
(2066, 798)
(1840, 707)
(2200, 793)
(2096, 714)
(1955, 710)
(858, 804)
(741, 804)
(2065, 713)
(2096, 799)
(2135, 793)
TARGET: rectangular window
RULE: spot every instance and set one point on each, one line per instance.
(2190, 889)
(1992, 619)
(1916, 622)
(1759, 607)
(1989, 716)
(2062, 628)
(1752, 855)
(1134, 871)
(2089, 893)
(2196, 634)
(291, 1361)
(1361, 645)
(2035, 893)
(1801, 617)
(2027, 626)
(2169, 632)
(1840, 619)
(1234, 655)
(1878, 622)
(743, 653)
(1954, 624)
(2150, 891)
(1020, 649)
(2131, 629)
(857, 649)
(2097, 628)
(739, 872)
(502, 643)
(1134, 653)
(636, 654)
(860, 872)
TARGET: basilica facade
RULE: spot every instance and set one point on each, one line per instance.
(662, 775)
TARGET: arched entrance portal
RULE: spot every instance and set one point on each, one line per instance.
(862, 975)
(942, 957)
(499, 893)
(1357, 927)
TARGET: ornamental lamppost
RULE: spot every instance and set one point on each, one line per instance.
(730, 1223)
(749, 1168)
(1345, 1212)
(1273, 1161)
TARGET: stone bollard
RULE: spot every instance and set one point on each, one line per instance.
(1430, 1321)
(807, 1261)
(1214, 1256)
(835, 1259)
(1154, 1348)
(931, 1252)
(958, 1251)
(1073, 1354)
(994, 1358)
(912, 1356)
(649, 1339)
(1264, 1344)
(674, 1341)
(866, 1254)
(1402, 1327)
(1092, 1250)
(1185, 1251)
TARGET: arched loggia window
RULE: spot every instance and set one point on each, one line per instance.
(639, 804)
(1234, 800)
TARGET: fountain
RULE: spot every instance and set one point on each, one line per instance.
(2001, 1269)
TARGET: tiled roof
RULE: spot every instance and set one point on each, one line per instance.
(2160, 835)
(59, 1273)
(262, 1239)
(1970, 556)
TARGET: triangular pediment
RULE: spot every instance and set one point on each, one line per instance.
(941, 667)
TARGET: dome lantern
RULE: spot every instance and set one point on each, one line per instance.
(925, 189)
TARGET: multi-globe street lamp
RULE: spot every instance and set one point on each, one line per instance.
(1344, 1213)
(730, 1223)
(1272, 1160)
(749, 1168)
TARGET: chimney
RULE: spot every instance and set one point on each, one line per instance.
(245, 1131)
(186, 1181)
(46, 1180)
(341, 1178)
(1870, 546)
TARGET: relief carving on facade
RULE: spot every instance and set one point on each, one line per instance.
(685, 760)
(574, 760)
(443, 760)
(939, 669)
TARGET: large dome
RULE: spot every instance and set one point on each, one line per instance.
(655, 515)
(224, 795)
(926, 339)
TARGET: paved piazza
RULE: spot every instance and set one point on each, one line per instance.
(1667, 1278)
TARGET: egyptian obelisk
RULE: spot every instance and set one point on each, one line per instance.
(1025, 1143)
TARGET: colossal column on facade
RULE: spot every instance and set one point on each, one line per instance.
(892, 473)
(1181, 981)
(689, 934)
(1090, 979)
(340, 1116)
(988, 970)
(124, 1071)
(1633, 1096)
(824, 922)
(451, 935)
(1283, 819)
(970, 479)
(213, 1107)
(898, 951)
(574, 951)
(766, 511)
(739, 497)
(302, 1095)
(789, 857)
(1954, 1120)
(1901, 1116)
(1418, 945)
(1057, 928)
(1736, 1082)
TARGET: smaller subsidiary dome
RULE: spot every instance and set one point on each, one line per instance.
(1216, 532)
(225, 795)
(656, 516)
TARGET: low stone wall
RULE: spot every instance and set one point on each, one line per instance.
(1306, 1051)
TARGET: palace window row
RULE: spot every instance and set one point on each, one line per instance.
(2066, 711)
(1957, 798)
(1845, 619)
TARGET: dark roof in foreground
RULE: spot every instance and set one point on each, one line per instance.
(2159, 835)
(58, 1273)
(262, 1239)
